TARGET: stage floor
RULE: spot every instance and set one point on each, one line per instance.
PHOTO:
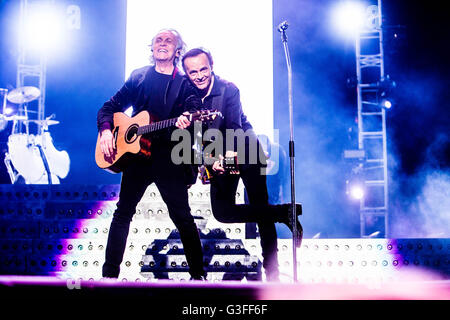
(415, 287)
(53, 239)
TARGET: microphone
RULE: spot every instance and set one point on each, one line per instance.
(283, 26)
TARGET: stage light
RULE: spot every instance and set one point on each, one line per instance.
(357, 192)
(355, 189)
(355, 186)
(386, 86)
(8, 111)
(385, 103)
(42, 29)
(348, 17)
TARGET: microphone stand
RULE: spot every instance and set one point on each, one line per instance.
(282, 29)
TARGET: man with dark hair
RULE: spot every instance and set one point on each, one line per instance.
(162, 91)
(217, 93)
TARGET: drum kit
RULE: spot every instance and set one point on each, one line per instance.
(31, 158)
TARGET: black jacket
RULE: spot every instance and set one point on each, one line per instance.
(135, 93)
(225, 97)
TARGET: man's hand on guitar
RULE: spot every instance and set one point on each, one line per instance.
(217, 165)
(230, 162)
(107, 143)
(182, 121)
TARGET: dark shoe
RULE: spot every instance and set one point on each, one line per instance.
(298, 208)
(198, 278)
(286, 218)
(284, 211)
(109, 271)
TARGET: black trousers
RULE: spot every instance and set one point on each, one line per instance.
(225, 210)
(172, 187)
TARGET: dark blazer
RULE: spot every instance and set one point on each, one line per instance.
(135, 93)
(225, 97)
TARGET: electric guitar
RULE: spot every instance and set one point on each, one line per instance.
(128, 131)
(230, 164)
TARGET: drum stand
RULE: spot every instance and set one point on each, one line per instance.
(13, 174)
(18, 121)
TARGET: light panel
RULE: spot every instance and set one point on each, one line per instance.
(237, 33)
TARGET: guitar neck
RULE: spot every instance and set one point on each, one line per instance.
(199, 115)
(155, 126)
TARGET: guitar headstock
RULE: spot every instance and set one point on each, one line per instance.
(206, 115)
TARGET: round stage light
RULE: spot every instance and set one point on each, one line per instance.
(385, 103)
(348, 17)
(357, 192)
(43, 28)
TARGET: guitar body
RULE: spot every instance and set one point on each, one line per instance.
(128, 135)
(127, 140)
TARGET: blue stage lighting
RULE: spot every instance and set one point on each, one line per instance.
(357, 192)
(348, 17)
(43, 28)
(355, 189)
(9, 111)
(355, 185)
(385, 103)
(386, 87)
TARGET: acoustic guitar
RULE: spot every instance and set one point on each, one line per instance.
(128, 131)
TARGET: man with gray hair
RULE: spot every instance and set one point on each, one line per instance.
(162, 91)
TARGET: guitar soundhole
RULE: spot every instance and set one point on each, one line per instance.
(131, 134)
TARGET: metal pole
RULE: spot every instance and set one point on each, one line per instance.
(282, 28)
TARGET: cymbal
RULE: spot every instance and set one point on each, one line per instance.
(12, 118)
(44, 122)
(23, 94)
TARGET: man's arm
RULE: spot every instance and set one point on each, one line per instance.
(233, 115)
(232, 119)
(232, 108)
(119, 102)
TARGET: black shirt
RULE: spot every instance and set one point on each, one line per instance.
(158, 85)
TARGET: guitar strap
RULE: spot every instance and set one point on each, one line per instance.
(173, 91)
(217, 104)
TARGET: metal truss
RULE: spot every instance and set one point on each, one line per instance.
(31, 68)
(374, 217)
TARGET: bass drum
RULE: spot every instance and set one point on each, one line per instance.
(58, 161)
(44, 179)
(25, 154)
(26, 157)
